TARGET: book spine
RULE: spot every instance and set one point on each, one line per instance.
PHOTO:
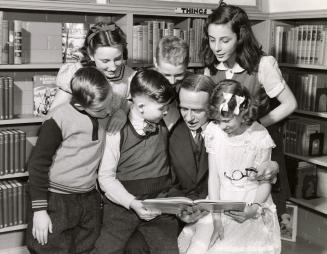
(5, 204)
(11, 152)
(17, 151)
(20, 202)
(6, 152)
(18, 40)
(2, 98)
(1, 41)
(6, 98)
(11, 40)
(10, 97)
(2, 152)
(14, 202)
(5, 42)
(10, 204)
(2, 205)
(22, 150)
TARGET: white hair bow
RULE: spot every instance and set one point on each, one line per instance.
(227, 97)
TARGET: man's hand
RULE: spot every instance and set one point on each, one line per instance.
(117, 122)
(248, 213)
(267, 171)
(192, 214)
(142, 212)
(41, 226)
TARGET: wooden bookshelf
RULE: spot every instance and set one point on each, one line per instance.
(310, 113)
(303, 66)
(15, 175)
(316, 204)
(13, 228)
(22, 119)
(40, 66)
(319, 160)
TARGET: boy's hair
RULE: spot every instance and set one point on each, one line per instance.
(233, 87)
(248, 49)
(173, 50)
(197, 83)
(89, 87)
(152, 84)
(103, 34)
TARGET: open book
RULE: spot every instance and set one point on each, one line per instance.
(175, 205)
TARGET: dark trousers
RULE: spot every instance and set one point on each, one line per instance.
(119, 224)
(76, 221)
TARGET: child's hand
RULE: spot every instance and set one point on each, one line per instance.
(267, 171)
(218, 230)
(250, 211)
(142, 212)
(117, 122)
(41, 226)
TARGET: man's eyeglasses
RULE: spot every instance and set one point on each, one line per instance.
(238, 174)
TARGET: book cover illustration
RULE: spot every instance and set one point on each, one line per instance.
(73, 36)
(44, 91)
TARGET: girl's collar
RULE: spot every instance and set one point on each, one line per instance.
(235, 69)
(120, 74)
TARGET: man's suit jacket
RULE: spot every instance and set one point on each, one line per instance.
(190, 177)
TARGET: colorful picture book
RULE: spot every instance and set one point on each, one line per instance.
(175, 205)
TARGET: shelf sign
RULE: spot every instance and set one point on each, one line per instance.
(192, 11)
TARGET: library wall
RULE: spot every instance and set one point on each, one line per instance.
(298, 5)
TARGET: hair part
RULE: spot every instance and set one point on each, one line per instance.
(152, 84)
(248, 49)
(103, 34)
(173, 50)
(198, 83)
(89, 87)
(235, 88)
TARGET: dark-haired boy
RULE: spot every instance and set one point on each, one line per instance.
(135, 167)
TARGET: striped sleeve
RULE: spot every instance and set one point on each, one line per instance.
(49, 139)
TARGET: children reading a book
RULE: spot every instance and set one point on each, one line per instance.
(105, 48)
(135, 167)
(236, 146)
(231, 51)
(66, 215)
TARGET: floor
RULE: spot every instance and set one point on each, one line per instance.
(302, 247)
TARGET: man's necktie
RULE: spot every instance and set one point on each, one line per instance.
(198, 140)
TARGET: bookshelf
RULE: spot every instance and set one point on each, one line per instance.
(308, 67)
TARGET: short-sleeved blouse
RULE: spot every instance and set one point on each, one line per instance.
(269, 74)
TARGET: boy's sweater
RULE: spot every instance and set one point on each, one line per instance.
(66, 156)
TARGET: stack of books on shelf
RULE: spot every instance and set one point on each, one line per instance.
(303, 44)
(25, 42)
(300, 137)
(12, 151)
(6, 98)
(147, 35)
(12, 203)
(310, 89)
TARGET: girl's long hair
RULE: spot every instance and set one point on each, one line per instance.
(248, 49)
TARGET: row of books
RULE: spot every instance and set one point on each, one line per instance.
(147, 35)
(299, 137)
(310, 89)
(12, 203)
(6, 98)
(12, 151)
(304, 44)
(40, 42)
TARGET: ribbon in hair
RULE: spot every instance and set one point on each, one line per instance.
(104, 28)
(227, 97)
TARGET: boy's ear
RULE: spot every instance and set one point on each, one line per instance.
(79, 106)
(155, 62)
(140, 106)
